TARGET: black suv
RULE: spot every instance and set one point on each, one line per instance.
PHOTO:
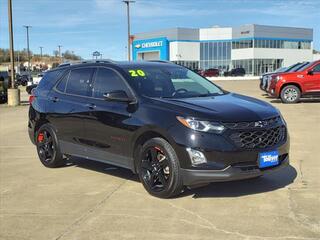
(165, 122)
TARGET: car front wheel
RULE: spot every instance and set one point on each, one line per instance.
(159, 169)
(290, 94)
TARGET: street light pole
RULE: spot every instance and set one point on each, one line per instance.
(11, 42)
(60, 46)
(13, 93)
(127, 2)
(28, 49)
(41, 53)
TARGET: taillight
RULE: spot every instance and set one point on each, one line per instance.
(31, 98)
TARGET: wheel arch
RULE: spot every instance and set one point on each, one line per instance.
(290, 83)
(40, 122)
(143, 138)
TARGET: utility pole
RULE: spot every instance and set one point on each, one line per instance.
(28, 49)
(60, 46)
(13, 93)
(41, 52)
(11, 43)
(127, 2)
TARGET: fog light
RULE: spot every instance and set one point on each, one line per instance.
(272, 91)
(196, 157)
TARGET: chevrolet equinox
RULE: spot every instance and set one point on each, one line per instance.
(164, 122)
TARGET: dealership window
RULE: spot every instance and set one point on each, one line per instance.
(267, 43)
(257, 67)
(215, 54)
(242, 44)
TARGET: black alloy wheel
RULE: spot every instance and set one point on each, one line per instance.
(155, 169)
(45, 145)
(159, 169)
(48, 148)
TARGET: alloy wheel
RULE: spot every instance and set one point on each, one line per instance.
(155, 169)
(45, 146)
(290, 94)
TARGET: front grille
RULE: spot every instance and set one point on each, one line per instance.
(262, 138)
(245, 125)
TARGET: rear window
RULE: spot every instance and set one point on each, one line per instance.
(49, 80)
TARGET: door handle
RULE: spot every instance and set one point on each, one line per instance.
(91, 106)
(54, 99)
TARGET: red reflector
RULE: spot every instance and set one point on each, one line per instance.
(31, 98)
(40, 137)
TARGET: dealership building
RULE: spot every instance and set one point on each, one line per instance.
(256, 48)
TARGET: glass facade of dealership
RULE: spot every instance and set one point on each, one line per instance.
(256, 48)
(217, 54)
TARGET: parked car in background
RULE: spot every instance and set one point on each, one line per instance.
(268, 77)
(4, 82)
(236, 72)
(198, 71)
(211, 72)
(291, 86)
(30, 87)
(22, 80)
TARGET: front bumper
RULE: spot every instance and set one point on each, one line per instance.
(230, 173)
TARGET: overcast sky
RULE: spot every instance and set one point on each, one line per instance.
(84, 26)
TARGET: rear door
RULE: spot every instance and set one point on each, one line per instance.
(69, 106)
(108, 129)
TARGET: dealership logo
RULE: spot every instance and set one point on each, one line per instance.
(245, 32)
(149, 44)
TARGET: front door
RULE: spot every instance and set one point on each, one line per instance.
(108, 126)
(313, 81)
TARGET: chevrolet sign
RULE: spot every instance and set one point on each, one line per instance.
(149, 44)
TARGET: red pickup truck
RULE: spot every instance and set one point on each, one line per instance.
(291, 86)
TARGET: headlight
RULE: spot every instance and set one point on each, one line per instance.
(278, 78)
(202, 126)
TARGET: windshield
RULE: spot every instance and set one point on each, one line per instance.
(298, 67)
(170, 82)
(282, 69)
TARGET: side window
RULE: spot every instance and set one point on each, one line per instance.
(49, 79)
(79, 81)
(63, 82)
(107, 80)
(317, 69)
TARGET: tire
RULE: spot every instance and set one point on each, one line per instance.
(290, 94)
(159, 169)
(48, 147)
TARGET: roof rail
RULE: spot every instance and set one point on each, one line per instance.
(161, 61)
(86, 61)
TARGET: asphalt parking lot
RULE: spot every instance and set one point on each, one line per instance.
(89, 200)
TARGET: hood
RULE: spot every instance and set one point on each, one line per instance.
(229, 107)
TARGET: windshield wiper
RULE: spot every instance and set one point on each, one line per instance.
(207, 95)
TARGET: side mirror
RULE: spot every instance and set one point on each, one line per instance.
(118, 96)
(310, 72)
